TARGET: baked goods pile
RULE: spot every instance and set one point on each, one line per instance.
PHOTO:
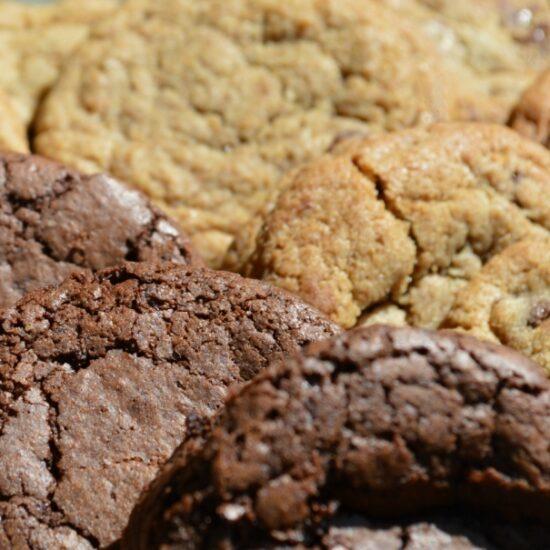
(275, 274)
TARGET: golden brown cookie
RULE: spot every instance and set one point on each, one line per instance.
(204, 105)
(36, 40)
(508, 301)
(393, 226)
(500, 43)
(13, 134)
(531, 117)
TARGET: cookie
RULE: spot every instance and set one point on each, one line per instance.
(279, 83)
(393, 226)
(441, 532)
(13, 134)
(531, 117)
(502, 44)
(54, 221)
(101, 376)
(377, 421)
(461, 531)
(508, 301)
(36, 40)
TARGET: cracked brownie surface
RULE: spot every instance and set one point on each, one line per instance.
(101, 377)
(379, 421)
(54, 221)
(508, 301)
(35, 41)
(531, 117)
(388, 229)
(280, 81)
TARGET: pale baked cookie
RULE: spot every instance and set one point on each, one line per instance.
(501, 43)
(393, 226)
(508, 301)
(531, 117)
(36, 40)
(13, 134)
(204, 105)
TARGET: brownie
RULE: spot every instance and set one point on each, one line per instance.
(456, 530)
(380, 421)
(54, 221)
(101, 377)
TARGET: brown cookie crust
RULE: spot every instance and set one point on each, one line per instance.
(379, 420)
(54, 221)
(508, 301)
(100, 377)
(531, 116)
(403, 219)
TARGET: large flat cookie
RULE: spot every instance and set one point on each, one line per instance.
(501, 43)
(377, 421)
(35, 41)
(204, 105)
(101, 377)
(508, 301)
(54, 221)
(391, 227)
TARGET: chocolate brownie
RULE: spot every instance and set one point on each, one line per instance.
(381, 421)
(391, 227)
(54, 221)
(101, 377)
(457, 531)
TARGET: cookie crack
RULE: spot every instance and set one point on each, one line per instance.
(378, 184)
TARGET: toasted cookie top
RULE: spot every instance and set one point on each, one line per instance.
(54, 221)
(531, 117)
(101, 376)
(204, 105)
(402, 220)
(376, 421)
(508, 301)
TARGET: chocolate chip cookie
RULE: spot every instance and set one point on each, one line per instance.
(508, 301)
(225, 97)
(54, 221)
(101, 376)
(393, 226)
(531, 117)
(377, 421)
(35, 41)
